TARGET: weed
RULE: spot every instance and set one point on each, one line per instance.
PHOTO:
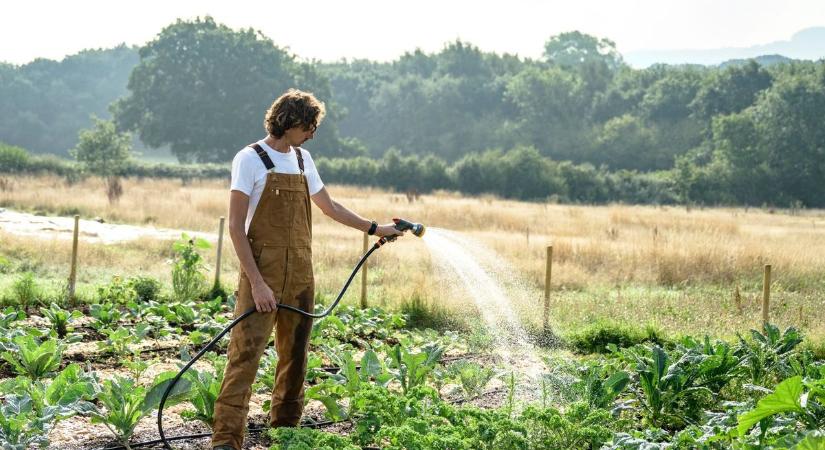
(26, 290)
(188, 279)
(596, 337)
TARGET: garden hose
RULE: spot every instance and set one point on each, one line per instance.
(243, 316)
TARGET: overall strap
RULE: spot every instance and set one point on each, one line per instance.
(262, 154)
(300, 159)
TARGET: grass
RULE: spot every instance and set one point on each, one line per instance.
(669, 267)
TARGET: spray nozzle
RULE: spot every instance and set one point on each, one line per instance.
(403, 225)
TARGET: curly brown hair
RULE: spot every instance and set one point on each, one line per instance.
(294, 108)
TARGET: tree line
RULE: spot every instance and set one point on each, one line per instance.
(743, 133)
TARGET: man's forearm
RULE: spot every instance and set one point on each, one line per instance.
(342, 214)
(244, 252)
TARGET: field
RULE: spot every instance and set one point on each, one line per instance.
(644, 278)
(669, 266)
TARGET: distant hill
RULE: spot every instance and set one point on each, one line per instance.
(807, 44)
(764, 60)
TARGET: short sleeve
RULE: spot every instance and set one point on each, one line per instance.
(314, 182)
(243, 175)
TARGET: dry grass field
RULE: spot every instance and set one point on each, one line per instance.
(667, 266)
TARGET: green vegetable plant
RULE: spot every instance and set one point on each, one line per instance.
(125, 403)
(412, 369)
(577, 427)
(206, 386)
(472, 377)
(348, 381)
(33, 358)
(265, 379)
(600, 386)
(117, 341)
(106, 315)
(669, 389)
(55, 401)
(21, 428)
(180, 314)
(27, 415)
(10, 315)
(60, 319)
(765, 355)
(804, 400)
(309, 439)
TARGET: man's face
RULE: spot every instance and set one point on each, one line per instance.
(296, 136)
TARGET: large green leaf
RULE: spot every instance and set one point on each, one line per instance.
(178, 394)
(785, 398)
(616, 382)
(370, 366)
(813, 441)
(659, 362)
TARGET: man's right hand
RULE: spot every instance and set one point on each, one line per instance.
(264, 298)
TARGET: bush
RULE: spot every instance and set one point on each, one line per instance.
(146, 288)
(596, 337)
(116, 292)
(13, 159)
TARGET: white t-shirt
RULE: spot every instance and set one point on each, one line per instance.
(249, 173)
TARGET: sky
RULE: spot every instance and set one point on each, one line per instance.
(382, 30)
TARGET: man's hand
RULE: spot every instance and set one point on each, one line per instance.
(264, 298)
(388, 230)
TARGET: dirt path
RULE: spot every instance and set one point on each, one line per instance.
(47, 227)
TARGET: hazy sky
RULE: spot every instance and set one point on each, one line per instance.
(384, 29)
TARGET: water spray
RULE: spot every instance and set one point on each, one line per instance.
(402, 225)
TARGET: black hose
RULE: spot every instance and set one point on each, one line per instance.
(243, 316)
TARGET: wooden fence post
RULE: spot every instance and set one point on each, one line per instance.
(220, 249)
(547, 276)
(73, 271)
(766, 294)
(364, 274)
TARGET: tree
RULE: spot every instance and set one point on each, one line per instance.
(45, 103)
(203, 88)
(104, 152)
(737, 146)
(595, 60)
(730, 90)
(626, 143)
(575, 48)
(668, 99)
(551, 111)
(790, 126)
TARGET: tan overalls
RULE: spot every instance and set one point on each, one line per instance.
(280, 235)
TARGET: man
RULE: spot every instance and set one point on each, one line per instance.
(270, 224)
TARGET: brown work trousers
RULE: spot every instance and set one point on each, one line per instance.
(280, 235)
